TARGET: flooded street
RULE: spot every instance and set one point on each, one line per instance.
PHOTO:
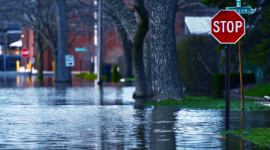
(86, 116)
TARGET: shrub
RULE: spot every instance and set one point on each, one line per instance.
(198, 61)
(115, 74)
(86, 76)
(78, 75)
(90, 76)
(219, 81)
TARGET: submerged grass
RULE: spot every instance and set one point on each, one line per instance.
(209, 103)
(258, 136)
(259, 91)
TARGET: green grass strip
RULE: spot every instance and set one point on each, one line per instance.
(129, 79)
(258, 136)
(209, 103)
(259, 91)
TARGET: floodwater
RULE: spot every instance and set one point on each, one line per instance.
(86, 116)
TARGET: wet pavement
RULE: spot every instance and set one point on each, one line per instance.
(86, 116)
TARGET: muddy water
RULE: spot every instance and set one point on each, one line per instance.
(91, 117)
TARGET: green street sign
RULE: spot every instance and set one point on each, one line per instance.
(240, 10)
(80, 49)
(238, 3)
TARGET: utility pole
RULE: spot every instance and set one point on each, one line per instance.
(95, 38)
(101, 41)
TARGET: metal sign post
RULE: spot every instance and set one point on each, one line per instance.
(227, 87)
(240, 10)
(241, 76)
(80, 49)
(81, 63)
(227, 27)
(24, 53)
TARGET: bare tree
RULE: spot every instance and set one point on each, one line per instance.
(143, 71)
(40, 16)
(126, 44)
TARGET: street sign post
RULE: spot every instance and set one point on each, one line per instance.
(24, 54)
(241, 10)
(227, 26)
(69, 60)
(80, 49)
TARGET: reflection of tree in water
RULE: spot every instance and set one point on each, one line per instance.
(60, 93)
(53, 96)
(40, 82)
(162, 135)
(141, 115)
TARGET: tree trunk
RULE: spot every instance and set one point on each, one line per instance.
(137, 51)
(40, 64)
(127, 48)
(63, 73)
(147, 66)
(40, 50)
(165, 70)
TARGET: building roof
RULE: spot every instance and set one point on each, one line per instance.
(198, 25)
(16, 44)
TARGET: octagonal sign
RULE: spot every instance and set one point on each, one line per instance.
(227, 26)
(24, 52)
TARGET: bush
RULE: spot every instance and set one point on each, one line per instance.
(115, 74)
(198, 61)
(219, 81)
(90, 76)
(86, 76)
(79, 75)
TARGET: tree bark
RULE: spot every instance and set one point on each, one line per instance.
(141, 84)
(147, 66)
(63, 72)
(39, 45)
(165, 70)
(40, 64)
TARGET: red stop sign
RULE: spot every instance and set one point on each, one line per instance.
(24, 52)
(227, 26)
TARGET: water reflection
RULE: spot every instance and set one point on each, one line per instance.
(228, 146)
(161, 132)
(106, 117)
(62, 86)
